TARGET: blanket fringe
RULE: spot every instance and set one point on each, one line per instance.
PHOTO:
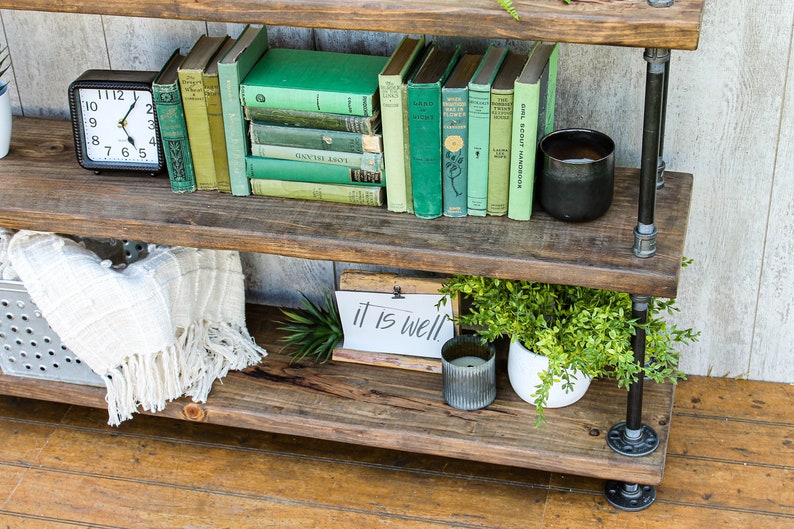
(203, 353)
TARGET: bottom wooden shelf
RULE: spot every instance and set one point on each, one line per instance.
(404, 410)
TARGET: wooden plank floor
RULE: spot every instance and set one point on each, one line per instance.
(730, 464)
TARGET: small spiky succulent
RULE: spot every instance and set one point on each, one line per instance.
(313, 331)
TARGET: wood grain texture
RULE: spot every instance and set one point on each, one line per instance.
(189, 474)
(404, 410)
(624, 23)
(45, 189)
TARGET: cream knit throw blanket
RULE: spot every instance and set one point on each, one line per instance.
(162, 327)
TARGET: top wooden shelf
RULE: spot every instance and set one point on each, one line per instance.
(43, 188)
(612, 22)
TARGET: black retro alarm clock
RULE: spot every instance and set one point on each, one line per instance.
(115, 122)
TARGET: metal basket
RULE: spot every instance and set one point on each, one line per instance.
(28, 345)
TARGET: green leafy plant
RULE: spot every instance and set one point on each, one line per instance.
(313, 331)
(576, 328)
(5, 64)
(510, 8)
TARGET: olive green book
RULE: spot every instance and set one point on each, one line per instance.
(329, 140)
(212, 96)
(316, 120)
(322, 81)
(339, 193)
(173, 130)
(191, 83)
(232, 68)
(479, 129)
(500, 133)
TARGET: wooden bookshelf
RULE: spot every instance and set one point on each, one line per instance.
(625, 23)
(43, 188)
(404, 410)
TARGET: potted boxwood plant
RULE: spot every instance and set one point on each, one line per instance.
(581, 333)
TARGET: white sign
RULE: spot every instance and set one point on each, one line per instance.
(410, 324)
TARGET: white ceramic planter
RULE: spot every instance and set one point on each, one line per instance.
(523, 368)
(5, 122)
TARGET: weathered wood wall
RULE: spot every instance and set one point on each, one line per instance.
(730, 122)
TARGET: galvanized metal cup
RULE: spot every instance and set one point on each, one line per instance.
(578, 175)
(469, 370)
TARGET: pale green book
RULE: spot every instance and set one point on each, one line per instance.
(191, 84)
(340, 193)
(390, 82)
(499, 142)
(369, 161)
(232, 68)
(479, 129)
(274, 169)
(529, 124)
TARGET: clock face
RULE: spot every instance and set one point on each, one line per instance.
(115, 124)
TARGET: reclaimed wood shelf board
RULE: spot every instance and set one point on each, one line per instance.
(625, 23)
(404, 410)
(43, 188)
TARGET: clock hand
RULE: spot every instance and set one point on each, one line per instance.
(123, 121)
(129, 138)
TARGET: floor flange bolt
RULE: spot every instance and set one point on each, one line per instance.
(632, 443)
(629, 496)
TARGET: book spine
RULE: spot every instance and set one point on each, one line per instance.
(479, 135)
(424, 111)
(212, 98)
(173, 131)
(409, 191)
(329, 140)
(501, 126)
(345, 194)
(198, 128)
(367, 160)
(454, 146)
(523, 151)
(391, 108)
(299, 99)
(273, 169)
(550, 85)
(316, 120)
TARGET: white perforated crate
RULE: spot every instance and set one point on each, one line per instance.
(29, 346)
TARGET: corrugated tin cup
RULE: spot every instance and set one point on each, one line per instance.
(469, 371)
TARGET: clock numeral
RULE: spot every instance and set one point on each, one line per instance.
(152, 141)
(91, 106)
(142, 153)
(117, 95)
(94, 140)
(149, 108)
(92, 122)
(151, 124)
(125, 152)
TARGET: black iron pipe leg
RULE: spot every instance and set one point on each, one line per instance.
(645, 232)
(633, 438)
(629, 496)
(661, 165)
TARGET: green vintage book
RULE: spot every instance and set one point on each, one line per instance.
(191, 82)
(371, 161)
(274, 169)
(322, 81)
(479, 128)
(390, 81)
(173, 130)
(499, 142)
(212, 97)
(424, 118)
(530, 112)
(455, 136)
(329, 140)
(232, 68)
(346, 194)
(316, 120)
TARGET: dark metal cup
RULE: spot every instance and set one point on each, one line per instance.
(578, 174)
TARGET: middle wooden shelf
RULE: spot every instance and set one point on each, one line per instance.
(44, 188)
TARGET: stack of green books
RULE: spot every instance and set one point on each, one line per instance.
(314, 126)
